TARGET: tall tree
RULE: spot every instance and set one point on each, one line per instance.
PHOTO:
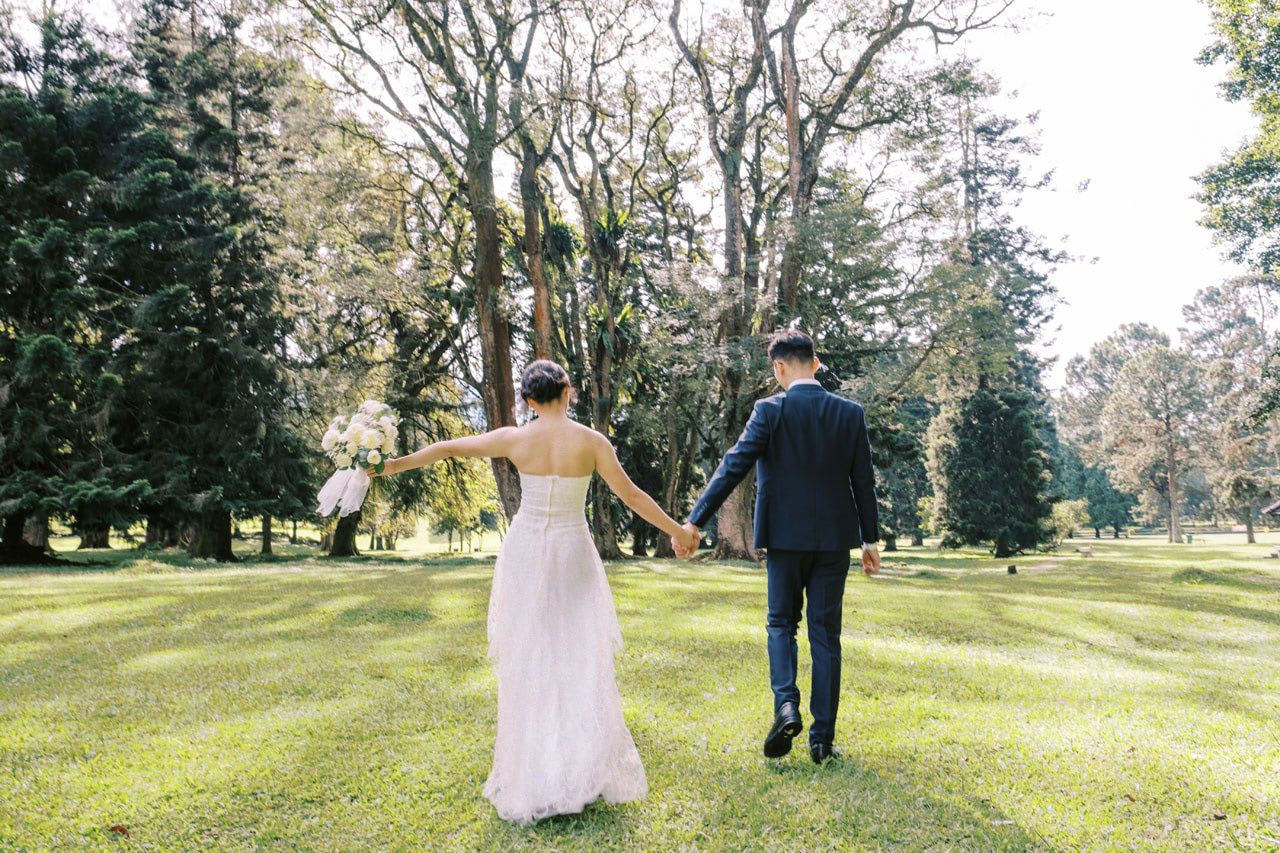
(78, 166)
(441, 69)
(844, 89)
(989, 472)
(207, 354)
(727, 58)
(1091, 379)
(1227, 331)
(605, 133)
(1152, 424)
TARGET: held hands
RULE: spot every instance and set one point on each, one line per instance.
(686, 542)
(870, 560)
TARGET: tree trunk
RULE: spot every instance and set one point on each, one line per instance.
(917, 539)
(162, 532)
(1097, 533)
(1115, 534)
(498, 387)
(801, 177)
(639, 533)
(890, 542)
(94, 537)
(1175, 529)
(266, 534)
(36, 532)
(603, 530)
(293, 537)
(211, 538)
(344, 536)
(531, 204)
(373, 539)
(1248, 526)
(16, 550)
(735, 534)
(675, 473)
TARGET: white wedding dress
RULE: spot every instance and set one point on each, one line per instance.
(553, 630)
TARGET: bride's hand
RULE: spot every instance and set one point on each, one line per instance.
(686, 543)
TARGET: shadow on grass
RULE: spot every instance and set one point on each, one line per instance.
(785, 805)
(1198, 576)
(892, 807)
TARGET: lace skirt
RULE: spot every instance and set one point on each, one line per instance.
(562, 741)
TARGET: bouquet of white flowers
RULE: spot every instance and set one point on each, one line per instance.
(360, 439)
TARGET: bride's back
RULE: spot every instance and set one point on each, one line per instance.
(556, 447)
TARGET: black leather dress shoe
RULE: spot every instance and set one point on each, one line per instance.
(786, 725)
(821, 752)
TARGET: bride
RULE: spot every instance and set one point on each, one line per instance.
(562, 741)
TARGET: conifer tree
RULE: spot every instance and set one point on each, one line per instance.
(989, 473)
(72, 137)
(211, 340)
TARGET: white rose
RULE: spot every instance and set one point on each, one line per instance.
(389, 445)
(371, 439)
(330, 439)
(374, 457)
(343, 461)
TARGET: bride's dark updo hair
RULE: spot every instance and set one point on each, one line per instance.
(543, 381)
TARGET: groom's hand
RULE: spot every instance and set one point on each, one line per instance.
(870, 560)
(687, 543)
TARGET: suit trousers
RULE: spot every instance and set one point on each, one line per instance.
(817, 577)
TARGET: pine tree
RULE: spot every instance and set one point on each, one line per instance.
(72, 137)
(211, 338)
(989, 470)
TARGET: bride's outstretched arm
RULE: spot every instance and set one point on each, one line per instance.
(634, 496)
(494, 443)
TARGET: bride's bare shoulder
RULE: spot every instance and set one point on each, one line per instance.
(586, 433)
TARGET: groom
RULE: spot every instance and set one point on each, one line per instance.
(815, 501)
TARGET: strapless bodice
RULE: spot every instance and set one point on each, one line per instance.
(551, 499)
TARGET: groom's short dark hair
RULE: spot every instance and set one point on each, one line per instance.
(791, 345)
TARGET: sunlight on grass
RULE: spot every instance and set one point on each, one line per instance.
(1118, 701)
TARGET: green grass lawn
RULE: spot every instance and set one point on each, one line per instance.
(1123, 701)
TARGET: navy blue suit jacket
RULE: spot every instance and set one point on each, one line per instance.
(815, 485)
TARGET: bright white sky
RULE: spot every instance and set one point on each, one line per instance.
(1124, 105)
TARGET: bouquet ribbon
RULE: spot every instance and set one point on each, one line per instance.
(345, 490)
